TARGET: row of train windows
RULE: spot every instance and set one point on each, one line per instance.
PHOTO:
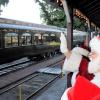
(12, 39)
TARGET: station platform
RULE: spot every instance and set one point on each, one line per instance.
(55, 91)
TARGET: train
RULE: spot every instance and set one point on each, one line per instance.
(23, 39)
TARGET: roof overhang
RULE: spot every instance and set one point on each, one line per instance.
(90, 8)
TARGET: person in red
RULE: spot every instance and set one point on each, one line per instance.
(76, 60)
(83, 89)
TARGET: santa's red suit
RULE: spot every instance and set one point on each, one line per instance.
(83, 89)
(83, 69)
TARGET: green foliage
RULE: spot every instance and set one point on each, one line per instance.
(78, 24)
(4, 2)
(52, 15)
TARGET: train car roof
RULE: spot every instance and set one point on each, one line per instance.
(82, 33)
(20, 25)
(37, 27)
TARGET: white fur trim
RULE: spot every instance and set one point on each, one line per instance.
(64, 68)
(73, 79)
(73, 63)
(64, 96)
(95, 44)
(81, 51)
(63, 45)
(94, 65)
(96, 79)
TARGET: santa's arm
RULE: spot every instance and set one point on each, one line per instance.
(67, 53)
(63, 46)
(70, 63)
(81, 51)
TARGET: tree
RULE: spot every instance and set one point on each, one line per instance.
(52, 15)
(79, 24)
(4, 2)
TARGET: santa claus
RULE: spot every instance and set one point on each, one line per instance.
(76, 60)
(84, 89)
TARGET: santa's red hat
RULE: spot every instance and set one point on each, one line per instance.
(95, 44)
(83, 90)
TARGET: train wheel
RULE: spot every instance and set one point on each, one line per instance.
(51, 54)
(46, 55)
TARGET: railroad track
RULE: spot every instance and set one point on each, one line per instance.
(32, 84)
(12, 68)
(18, 66)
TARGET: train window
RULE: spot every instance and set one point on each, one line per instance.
(25, 39)
(45, 38)
(11, 39)
(53, 37)
(38, 38)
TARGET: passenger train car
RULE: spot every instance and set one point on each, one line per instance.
(22, 39)
(79, 37)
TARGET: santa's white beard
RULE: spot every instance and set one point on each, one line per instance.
(94, 65)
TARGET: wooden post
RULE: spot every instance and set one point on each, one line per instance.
(69, 36)
(69, 16)
(89, 31)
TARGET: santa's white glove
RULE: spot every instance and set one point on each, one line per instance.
(63, 45)
(81, 51)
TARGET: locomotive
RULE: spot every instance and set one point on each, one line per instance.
(22, 39)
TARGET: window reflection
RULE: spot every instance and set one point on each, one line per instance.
(38, 38)
(11, 39)
(25, 39)
(45, 38)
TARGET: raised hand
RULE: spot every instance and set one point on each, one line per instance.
(63, 45)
